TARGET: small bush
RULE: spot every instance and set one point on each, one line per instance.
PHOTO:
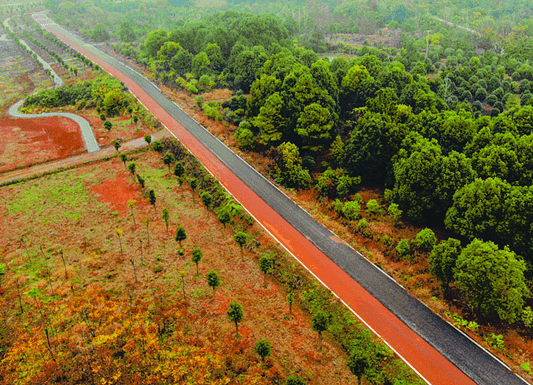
(108, 125)
(372, 207)
(362, 224)
(403, 248)
(426, 239)
(351, 210)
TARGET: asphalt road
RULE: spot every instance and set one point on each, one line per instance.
(475, 362)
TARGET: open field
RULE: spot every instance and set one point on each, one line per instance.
(83, 216)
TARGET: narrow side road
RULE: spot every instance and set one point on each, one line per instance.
(437, 351)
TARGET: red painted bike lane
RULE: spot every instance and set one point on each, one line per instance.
(417, 353)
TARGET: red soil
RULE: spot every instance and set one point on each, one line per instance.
(29, 141)
(116, 193)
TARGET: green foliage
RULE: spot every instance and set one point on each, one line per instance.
(293, 380)
(213, 280)
(148, 139)
(166, 217)
(527, 317)
(265, 264)
(492, 280)
(288, 166)
(425, 239)
(394, 212)
(207, 199)
(358, 363)
(132, 167)
(320, 322)
(403, 248)
(168, 159)
(373, 207)
(108, 125)
(196, 256)
(181, 235)
(157, 146)
(443, 259)
(235, 314)
(179, 170)
(245, 139)
(263, 348)
(335, 183)
(351, 210)
(151, 197)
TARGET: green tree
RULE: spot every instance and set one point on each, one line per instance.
(271, 121)
(140, 179)
(443, 259)
(131, 167)
(492, 280)
(181, 235)
(124, 159)
(314, 126)
(148, 139)
(478, 209)
(213, 280)
(404, 248)
(263, 349)
(108, 125)
(265, 264)
(197, 256)
(151, 197)
(416, 173)
(288, 166)
(201, 64)
(126, 32)
(100, 33)
(166, 217)
(181, 63)
(117, 145)
(168, 159)
(320, 322)
(394, 212)
(179, 170)
(235, 314)
(241, 238)
(155, 40)
(224, 216)
(290, 301)
(425, 239)
(358, 364)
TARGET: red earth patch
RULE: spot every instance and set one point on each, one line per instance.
(29, 141)
(116, 193)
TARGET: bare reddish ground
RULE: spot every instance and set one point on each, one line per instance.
(30, 141)
(116, 193)
(429, 363)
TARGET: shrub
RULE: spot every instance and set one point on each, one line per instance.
(403, 248)
(372, 207)
(108, 125)
(394, 212)
(351, 210)
(426, 239)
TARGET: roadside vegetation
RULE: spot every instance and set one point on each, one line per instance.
(140, 289)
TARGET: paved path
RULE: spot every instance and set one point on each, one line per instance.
(91, 145)
(45, 168)
(436, 350)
